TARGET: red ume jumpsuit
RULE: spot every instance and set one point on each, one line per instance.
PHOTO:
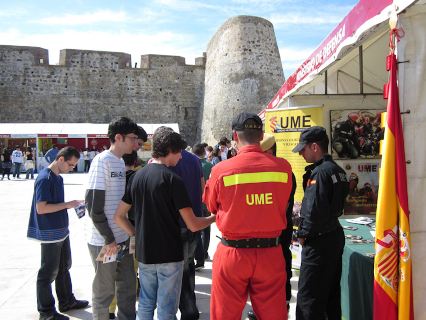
(249, 195)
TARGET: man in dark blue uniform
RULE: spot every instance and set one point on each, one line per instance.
(320, 232)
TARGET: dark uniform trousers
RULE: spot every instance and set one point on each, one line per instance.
(318, 294)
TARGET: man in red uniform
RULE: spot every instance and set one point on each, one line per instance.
(249, 195)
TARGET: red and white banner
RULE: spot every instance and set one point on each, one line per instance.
(360, 19)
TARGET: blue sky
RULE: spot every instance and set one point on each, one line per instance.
(174, 27)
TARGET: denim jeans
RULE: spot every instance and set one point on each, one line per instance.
(188, 304)
(55, 265)
(17, 169)
(29, 172)
(160, 287)
(113, 278)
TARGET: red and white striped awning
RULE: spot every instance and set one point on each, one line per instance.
(360, 20)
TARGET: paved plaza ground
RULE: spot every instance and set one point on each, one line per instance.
(21, 257)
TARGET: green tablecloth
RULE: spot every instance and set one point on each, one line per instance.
(357, 275)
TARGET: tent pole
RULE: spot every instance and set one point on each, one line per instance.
(326, 82)
(361, 70)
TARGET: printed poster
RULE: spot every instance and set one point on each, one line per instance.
(363, 177)
(356, 134)
(286, 125)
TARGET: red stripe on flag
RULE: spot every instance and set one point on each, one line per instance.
(384, 307)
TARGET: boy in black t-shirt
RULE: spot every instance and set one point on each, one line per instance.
(158, 197)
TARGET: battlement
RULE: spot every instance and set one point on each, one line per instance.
(26, 56)
(154, 61)
(94, 59)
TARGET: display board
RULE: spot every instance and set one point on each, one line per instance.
(286, 125)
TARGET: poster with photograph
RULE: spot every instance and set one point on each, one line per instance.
(286, 125)
(363, 177)
(356, 134)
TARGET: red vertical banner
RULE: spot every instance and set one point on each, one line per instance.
(393, 293)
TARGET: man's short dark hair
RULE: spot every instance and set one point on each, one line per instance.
(130, 158)
(142, 134)
(204, 144)
(250, 136)
(199, 150)
(224, 141)
(68, 153)
(165, 140)
(121, 126)
(323, 144)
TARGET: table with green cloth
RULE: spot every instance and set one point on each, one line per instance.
(357, 275)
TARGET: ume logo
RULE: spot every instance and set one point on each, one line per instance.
(256, 199)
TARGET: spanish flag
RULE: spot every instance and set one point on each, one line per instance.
(393, 294)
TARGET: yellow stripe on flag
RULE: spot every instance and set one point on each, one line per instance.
(255, 177)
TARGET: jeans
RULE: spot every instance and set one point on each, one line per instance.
(203, 241)
(86, 165)
(160, 287)
(113, 278)
(188, 304)
(17, 169)
(29, 172)
(55, 265)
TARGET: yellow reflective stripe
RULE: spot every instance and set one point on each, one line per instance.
(255, 177)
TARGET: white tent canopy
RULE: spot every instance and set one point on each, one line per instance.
(76, 130)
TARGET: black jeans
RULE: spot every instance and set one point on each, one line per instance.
(55, 265)
(188, 304)
(285, 241)
(203, 241)
(318, 297)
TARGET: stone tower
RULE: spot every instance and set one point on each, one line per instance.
(243, 72)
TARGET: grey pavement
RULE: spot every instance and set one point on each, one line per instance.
(21, 257)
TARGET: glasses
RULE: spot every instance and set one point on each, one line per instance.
(133, 138)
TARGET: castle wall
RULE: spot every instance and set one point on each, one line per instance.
(93, 86)
(243, 72)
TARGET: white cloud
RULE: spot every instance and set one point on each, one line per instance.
(85, 18)
(189, 5)
(293, 57)
(305, 19)
(136, 44)
(13, 13)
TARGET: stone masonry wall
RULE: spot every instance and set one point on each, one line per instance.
(91, 86)
(243, 72)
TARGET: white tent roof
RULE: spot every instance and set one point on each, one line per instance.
(365, 19)
(70, 129)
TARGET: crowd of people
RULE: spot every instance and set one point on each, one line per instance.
(13, 161)
(144, 226)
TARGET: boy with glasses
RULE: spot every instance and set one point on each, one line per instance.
(106, 185)
(49, 225)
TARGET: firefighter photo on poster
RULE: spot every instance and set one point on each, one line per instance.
(363, 176)
(356, 134)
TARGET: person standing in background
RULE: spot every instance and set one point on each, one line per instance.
(29, 163)
(17, 160)
(7, 163)
(51, 154)
(201, 253)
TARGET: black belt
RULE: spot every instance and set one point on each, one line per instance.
(251, 243)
